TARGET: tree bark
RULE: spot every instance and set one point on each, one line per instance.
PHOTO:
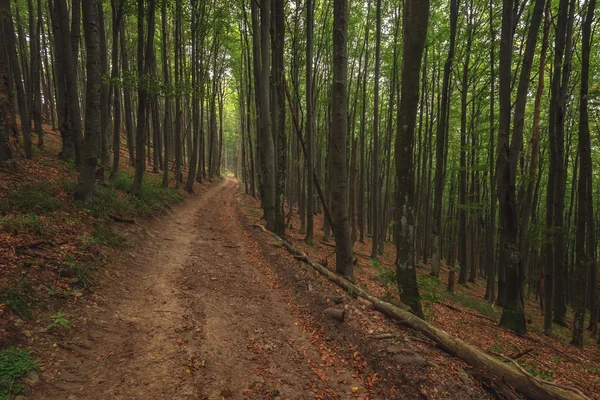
(339, 173)
(416, 19)
(87, 178)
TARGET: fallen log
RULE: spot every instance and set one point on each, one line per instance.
(510, 373)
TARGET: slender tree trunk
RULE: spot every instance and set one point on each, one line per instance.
(11, 50)
(105, 89)
(266, 147)
(416, 18)
(554, 192)
(35, 99)
(279, 113)
(117, 14)
(85, 187)
(376, 193)
(585, 243)
(167, 116)
(441, 139)
(128, 106)
(339, 106)
(513, 315)
(144, 59)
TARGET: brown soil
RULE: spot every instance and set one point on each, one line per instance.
(205, 307)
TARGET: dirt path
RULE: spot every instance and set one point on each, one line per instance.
(188, 314)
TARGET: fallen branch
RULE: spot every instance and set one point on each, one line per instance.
(513, 375)
(520, 354)
(450, 306)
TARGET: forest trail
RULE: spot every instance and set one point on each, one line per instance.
(188, 316)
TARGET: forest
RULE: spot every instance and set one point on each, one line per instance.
(415, 140)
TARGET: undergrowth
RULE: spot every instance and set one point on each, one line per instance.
(14, 364)
(113, 198)
(26, 223)
(39, 198)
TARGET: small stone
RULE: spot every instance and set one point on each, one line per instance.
(20, 397)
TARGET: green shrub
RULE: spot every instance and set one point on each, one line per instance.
(32, 198)
(14, 363)
(386, 276)
(59, 320)
(24, 223)
(104, 235)
(16, 302)
(81, 272)
(114, 199)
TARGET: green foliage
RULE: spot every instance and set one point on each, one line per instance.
(81, 272)
(497, 348)
(59, 320)
(16, 302)
(482, 307)
(105, 235)
(535, 371)
(114, 198)
(24, 223)
(32, 198)
(14, 363)
(385, 276)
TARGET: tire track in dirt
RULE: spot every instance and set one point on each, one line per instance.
(188, 314)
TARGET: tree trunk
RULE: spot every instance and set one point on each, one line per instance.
(85, 187)
(310, 145)
(266, 147)
(416, 18)
(513, 314)
(144, 61)
(585, 243)
(11, 52)
(441, 138)
(279, 113)
(117, 16)
(339, 107)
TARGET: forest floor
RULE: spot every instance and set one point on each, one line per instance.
(465, 313)
(199, 304)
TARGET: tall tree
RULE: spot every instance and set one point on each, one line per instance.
(440, 145)
(310, 146)
(266, 146)
(339, 110)
(144, 55)
(117, 13)
(11, 52)
(376, 192)
(585, 246)
(416, 19)
(278, 112)
(93, 116)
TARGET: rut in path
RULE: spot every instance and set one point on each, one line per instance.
(189, 316)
